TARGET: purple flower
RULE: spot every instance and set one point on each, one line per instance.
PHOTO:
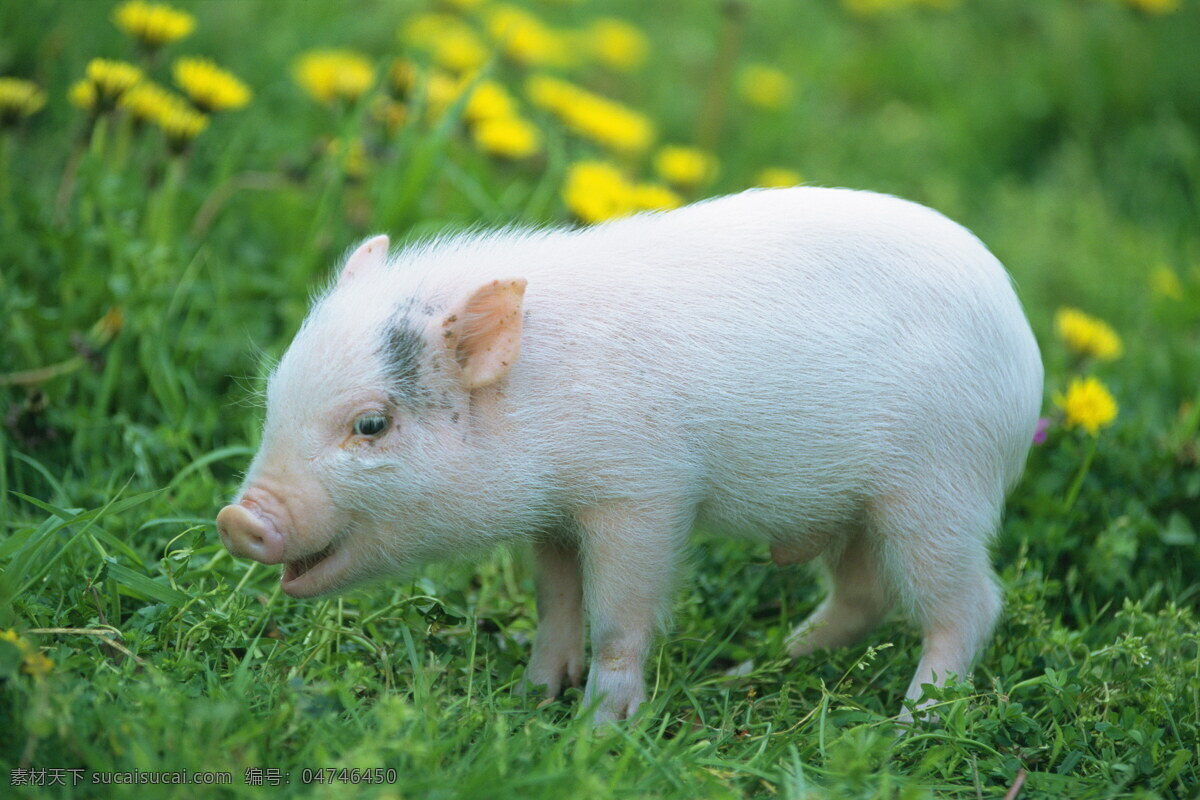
(1039, 432)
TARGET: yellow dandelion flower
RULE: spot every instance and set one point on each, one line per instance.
(153, 24)
(596, 190)
(1154, 6)
(655, 197)
(352, 158)
(489, 100)
(208, 86)
(148, 102)
(33, 662)
(685, 167)
(392, 114)
(19, 98)
(597, 118)
(526, 39)
(82, 94)
(37, 664)
(1087, 335)
(355, 161)
(181, 124)
(613, 126)
(437, 90)
(1087, 404)
(111, 79)
(434, 90)
(451, 43)
(772, 177)
(331, 75)
(402, 77)
(1165, 283)
(764, 86)
(441, 91)
(872, 8)
(422, 29)
(507, 137)
(460, 51)
(551, 93)
(617, 44)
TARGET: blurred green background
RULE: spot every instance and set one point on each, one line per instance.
(1064, 133)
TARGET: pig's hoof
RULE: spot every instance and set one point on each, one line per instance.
(544, 689)
(607, 712)
(546, 676)
(620, 695)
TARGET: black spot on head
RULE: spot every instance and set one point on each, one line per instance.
(454, 418)
(401, 351)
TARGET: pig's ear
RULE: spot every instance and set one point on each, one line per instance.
(484, 331)
(370, 255)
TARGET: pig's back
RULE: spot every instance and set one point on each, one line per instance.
(781, 355)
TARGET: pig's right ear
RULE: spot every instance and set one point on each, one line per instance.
(369, 256)
(483, 331)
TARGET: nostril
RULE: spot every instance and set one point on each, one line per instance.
(252, 536)
(248, 534)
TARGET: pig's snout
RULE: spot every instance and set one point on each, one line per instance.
(250, 535)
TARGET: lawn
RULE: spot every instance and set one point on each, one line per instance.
(156, 254)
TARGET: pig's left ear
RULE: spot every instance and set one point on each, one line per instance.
(484, 331)
(369, 256)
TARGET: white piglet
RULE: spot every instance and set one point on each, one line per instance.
(840, 375)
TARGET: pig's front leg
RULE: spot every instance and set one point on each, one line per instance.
(558, 648)
(629, 555)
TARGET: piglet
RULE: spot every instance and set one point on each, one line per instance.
(840, 376)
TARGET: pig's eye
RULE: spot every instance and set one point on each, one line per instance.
(370, 424)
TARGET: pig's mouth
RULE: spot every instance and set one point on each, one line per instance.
(316, 572)
(294, 569)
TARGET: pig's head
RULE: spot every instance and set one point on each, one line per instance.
(367, 425)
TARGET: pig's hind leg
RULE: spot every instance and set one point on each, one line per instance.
(935, 555)
(858, 599)
(558, 647)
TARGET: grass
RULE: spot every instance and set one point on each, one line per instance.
(1066, 134)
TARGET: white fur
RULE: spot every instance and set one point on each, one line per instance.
(787, 365)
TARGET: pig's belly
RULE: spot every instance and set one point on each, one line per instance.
(776, 494)
(806, 531)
